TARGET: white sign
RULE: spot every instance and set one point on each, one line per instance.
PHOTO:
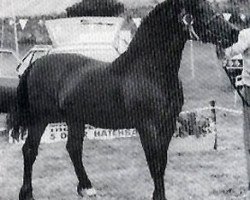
(55, 133)
(59, 132)
(109, 134)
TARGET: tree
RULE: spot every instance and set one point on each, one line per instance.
(95, 8)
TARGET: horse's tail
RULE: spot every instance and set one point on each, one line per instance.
(22, 106)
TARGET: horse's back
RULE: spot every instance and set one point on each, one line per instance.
(55, 67)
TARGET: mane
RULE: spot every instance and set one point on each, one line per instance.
(149, 27)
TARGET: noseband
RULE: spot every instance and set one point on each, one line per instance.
(189, 24)
(212, 18)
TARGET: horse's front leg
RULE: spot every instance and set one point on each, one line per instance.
(30, 151)
(155, 138)
(246, 130)
(74, 147)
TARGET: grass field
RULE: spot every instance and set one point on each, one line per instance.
(118, 169)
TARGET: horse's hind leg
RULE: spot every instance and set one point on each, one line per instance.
(30, 151)
(155, 141)
(74, 147)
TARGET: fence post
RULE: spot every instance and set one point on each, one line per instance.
(213, 123)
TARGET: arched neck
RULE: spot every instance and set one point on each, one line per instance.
(157, 44)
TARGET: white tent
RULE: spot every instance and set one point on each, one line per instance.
(96, 37)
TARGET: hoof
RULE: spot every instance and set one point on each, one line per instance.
(26, 194)
(158, 197)
(22, 197)
(90, 192)
(25, 198)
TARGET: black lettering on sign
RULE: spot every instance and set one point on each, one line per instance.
(115, 133)
(97, 133)
(63, 135)
(52, 136)
(127, 132)
(110, 132)
(120, 133)
(104, 133)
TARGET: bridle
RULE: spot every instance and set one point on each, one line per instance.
(213, 18)
(189, 24)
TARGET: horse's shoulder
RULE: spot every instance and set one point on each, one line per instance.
(140, 88)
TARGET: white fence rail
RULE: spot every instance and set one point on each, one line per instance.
(59, 131)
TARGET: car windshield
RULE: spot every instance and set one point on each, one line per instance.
(29, 59)
(8, 63)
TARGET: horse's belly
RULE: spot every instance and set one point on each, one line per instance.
(113, 118)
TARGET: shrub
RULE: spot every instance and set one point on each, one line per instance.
(192, 124)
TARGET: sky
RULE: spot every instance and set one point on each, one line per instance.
(8, 8)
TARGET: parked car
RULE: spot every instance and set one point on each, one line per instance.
(11, 67)
(8, 79)
(99, 52)
(33, 54)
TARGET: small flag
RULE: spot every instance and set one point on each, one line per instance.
(243, 17)
(23, 23)
(41, 22)
(137, 21)
(227, 16)
(11, 22)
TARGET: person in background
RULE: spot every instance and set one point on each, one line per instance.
(243, 47)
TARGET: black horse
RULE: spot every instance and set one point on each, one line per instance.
(140, 89)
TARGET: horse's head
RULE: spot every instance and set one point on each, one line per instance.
(206, 23)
